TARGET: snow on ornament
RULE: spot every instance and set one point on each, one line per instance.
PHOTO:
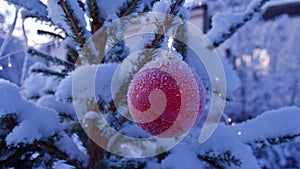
(166, 97)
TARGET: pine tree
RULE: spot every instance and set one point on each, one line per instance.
(41, 128)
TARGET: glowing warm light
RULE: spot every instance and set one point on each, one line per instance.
(9, 65)
(238, 62)
(239, 133)
(247, 59)
(265, 72)
(1, 68)
(263, 58)
(229, 120)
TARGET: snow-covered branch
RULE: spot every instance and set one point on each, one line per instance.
(48, 33)
(220, 161)
(94, 12)
(69, 16)
(33, 8)
(52, 59)
(248, 136)
(26, 131)
(240, 153)
(48, 72)
(225, 25)
(75, 20)
(260, 132)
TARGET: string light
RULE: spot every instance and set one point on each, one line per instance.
(217, 78)
(1, 68)
(229, 120)
(9, 63)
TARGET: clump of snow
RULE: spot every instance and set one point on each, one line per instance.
(161, 6)
(221, 24)
(38, 85)
(83, 84)
(32, 118)
(64, 90)
(188, 159)
(37, 124)
(51, 102)
(33, 85)
(89, 82)
(66, 144)
(233, 144)
(51, 84)
(8, 93)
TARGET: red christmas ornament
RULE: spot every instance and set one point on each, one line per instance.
(166, 97)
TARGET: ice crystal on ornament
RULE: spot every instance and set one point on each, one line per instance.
(166, 97)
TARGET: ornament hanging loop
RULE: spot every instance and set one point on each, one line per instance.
(170, 30)
(172, 37)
